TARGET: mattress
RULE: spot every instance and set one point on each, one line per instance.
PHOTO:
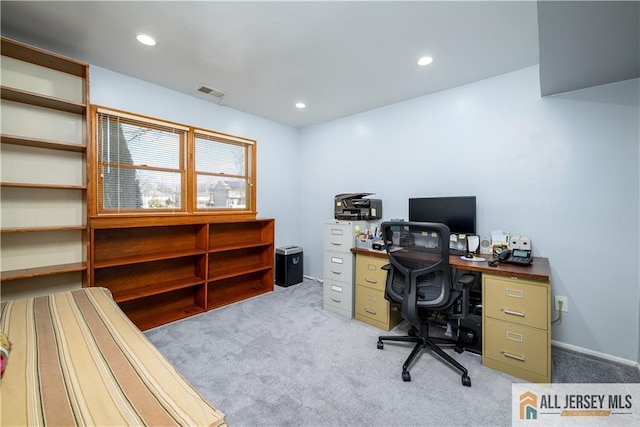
(76, 359)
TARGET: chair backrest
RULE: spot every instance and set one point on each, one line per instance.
(419, 276)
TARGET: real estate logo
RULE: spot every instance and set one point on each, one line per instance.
(528, 406)
(576, 404)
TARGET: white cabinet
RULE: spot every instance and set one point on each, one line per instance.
(44, 171)
(338, 267)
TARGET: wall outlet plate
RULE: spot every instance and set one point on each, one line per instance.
(565, 303)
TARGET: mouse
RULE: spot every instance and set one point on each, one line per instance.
(468, 256)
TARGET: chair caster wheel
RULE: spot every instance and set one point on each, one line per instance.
(406, 377)
(466, 381)
(380, 345)
(412, 332)
(458, 349)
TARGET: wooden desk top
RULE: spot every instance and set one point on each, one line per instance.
(538, 270)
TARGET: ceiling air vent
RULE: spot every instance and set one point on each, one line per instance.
(207, 90)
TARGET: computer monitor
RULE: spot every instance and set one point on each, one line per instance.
(458, 213)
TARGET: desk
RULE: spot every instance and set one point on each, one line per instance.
(516, 314)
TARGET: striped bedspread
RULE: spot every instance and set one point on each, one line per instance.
(76, 359)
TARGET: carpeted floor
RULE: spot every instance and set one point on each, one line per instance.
(571, 367)
(281, 360)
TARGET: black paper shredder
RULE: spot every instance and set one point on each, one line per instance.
(288, 265)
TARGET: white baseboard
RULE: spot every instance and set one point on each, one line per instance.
(597, 354)
(315, 279)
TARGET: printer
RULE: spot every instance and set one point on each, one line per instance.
(354, 206)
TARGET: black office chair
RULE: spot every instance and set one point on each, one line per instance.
(419, 279)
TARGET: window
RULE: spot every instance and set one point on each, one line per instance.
(141, 164)
(223, 180)
(142, 167)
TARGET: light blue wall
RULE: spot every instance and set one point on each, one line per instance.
(562, 170)
(277, 145)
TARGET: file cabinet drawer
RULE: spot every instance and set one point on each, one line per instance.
(369, 272)
(338, 266)
(370, 303)
(338, 237)
(515, 345)
(339, 296)
(519, 301)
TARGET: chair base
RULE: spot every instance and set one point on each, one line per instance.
(422, 340)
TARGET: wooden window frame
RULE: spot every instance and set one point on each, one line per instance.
(189, 181)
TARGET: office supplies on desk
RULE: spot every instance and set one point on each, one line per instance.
(520, 242)
(498, 238)
(378, 245)
(354, 206)
(458, 244)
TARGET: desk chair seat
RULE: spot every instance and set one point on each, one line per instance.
(418, 278)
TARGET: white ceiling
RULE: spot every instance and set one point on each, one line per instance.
(339, 57)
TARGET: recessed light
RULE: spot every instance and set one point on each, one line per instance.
(146, 40)
(300, 105)
(425, 60)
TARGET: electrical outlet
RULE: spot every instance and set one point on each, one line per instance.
(565, 303)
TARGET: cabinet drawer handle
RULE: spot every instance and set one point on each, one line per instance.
(336, 243)
(511, 312)
(513, 336)
(514, 293)
(336, 272)
(366, 279)
(513, 356)
(368, 310)
(336, 300)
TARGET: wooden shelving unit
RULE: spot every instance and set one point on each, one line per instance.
(159, 269)
(45, 99)
(168, 270)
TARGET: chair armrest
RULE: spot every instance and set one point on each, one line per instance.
(386, 267)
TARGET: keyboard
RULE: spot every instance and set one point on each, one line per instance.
(457, 252)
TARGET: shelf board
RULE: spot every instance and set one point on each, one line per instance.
(31, 98)
(149, 316)
(36, 185)
(239, 272)
(43, 228)
(237, 247)
(156, 289)
(27, 273)
(236, 289)
(23, 52)
(41, 143)
(146, 258)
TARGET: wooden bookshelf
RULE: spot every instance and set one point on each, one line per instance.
(168, 269)
(45, 100)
